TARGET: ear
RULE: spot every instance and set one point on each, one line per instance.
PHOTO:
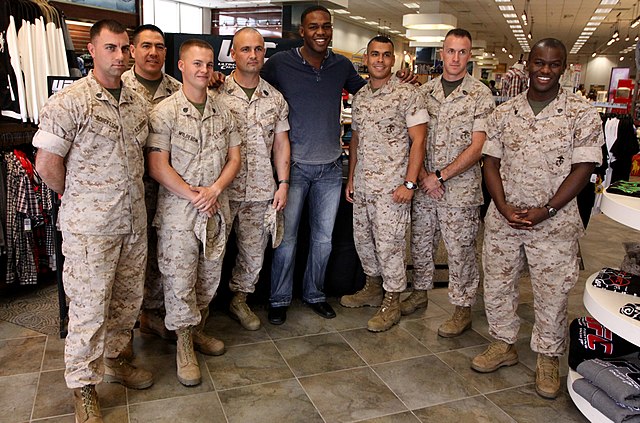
(92, 49)
(132, 50)
(365, 58)
(301, 30)
(233, 54)
(181, 65)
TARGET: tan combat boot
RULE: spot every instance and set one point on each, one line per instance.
(119, 370)
(187, 363)
(85, 400)
(204, 343)
(388, 314)
(370, 295)
(419, 298)
(152, 322)
(458, 323)
(547, 376)
(241, 312)
(497, 355)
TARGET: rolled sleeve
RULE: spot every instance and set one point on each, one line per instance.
(588, 138)
(420, 117)
(282, 126)
(492, 146)
(234, 139)
(161, 141)
(484, 107)
(51, 143)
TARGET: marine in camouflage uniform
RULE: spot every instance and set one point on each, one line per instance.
(147, 79)
(387, 145)
(198, 146)
(535, 164)
(102, 207)
(456, 133)
(262, 120)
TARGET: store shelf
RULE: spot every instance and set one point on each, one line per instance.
(622, 209)
(583, 405)
(605, 306)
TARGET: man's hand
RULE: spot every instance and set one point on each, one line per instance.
(430, 184)
(216, 80)
(348, 191)
(206, 200)
(516, 217)
(534, 215)
(402, 195)
(280, 197)
(406, 75)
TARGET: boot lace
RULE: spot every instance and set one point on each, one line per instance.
(548, 368)
(496, 349)
(187, 347)
(386, 301)
(89, 400)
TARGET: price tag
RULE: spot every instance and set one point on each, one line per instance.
(27, 224)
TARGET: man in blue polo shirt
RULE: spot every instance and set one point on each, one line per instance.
(311, 78)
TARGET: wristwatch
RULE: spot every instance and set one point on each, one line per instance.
(410, 185)
(439, 176)
(552, 211)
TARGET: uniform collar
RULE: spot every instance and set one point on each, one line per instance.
(386, 88)
(461, 90)
(100, 93)
(186, 108)
(557, 107)
(231, 87)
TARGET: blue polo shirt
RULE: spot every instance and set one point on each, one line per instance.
(314, 97)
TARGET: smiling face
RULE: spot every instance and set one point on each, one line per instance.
(196, 64)
(379, 60)
(546, 66)
(316, 31)
(149, 53)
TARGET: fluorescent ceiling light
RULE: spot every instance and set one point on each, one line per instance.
(510, 15)
(393, 31)
(357, 18)
(602, 11)
(384, 27)
(503, 1)
(429, 21)
(371, 22)
(506, 7)
(341, 11)
(593, 24)
(412, 5)
(612, 2)
(513, 21)
(597, 18)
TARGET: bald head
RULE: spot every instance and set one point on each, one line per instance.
(248, 52)
(243, 32)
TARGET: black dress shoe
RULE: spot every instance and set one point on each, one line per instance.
(277, 315)
(323, 309)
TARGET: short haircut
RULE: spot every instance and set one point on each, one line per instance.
(194, 42)
(460, 33)
(552, 43)
(245, 29)
(316, 8)
(380, 39)
(109, 24)
(146, 27)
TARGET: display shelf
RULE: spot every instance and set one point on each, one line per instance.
(583, 405)
(605, 306)
(622, 209)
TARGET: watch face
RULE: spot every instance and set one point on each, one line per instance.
(410, 185)
(552, 211)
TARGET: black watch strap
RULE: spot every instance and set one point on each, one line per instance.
(439, 176)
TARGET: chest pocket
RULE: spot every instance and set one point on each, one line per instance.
(557, 150)
(105, 142)
(183, 154)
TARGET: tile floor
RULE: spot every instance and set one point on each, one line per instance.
(315, 370)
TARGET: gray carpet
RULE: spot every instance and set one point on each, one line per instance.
(35, 308)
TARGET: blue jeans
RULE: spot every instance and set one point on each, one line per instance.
(321, 186)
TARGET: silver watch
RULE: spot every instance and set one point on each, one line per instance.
(410, 185)
(552, 211)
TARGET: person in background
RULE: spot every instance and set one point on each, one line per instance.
(146, 78)
(90, 145)
(492, 87)
(194, 154)
(541, 149)
(261, 115)
(385, 156)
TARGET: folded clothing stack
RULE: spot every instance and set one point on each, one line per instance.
(618, 281)
(588, 339)
(612, 386)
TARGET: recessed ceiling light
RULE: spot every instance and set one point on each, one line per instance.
(341, 11)
(503, 1)
(602, 11)
(412, 5)
(357, 18)
(593, 24)
(384, 27)
(515, 26)
(393, 31)
(513, 21)
(371, 22)
(510, 15)
(506, 7)
(597, 18)
(609, 2)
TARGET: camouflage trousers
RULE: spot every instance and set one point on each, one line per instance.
(459, 228)
(380, 235)
(553, 266)
(153, 291)
(189, 279)
(251, 239)
(104, 279)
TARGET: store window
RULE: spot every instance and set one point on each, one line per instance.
(173, 16)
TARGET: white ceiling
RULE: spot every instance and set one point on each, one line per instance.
(562, 19)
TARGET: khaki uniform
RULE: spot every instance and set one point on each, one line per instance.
(251, 192)
(382, 119)
(153, 293)
(536, 154)
(102, 217)
(456, 214)
(198, 145)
